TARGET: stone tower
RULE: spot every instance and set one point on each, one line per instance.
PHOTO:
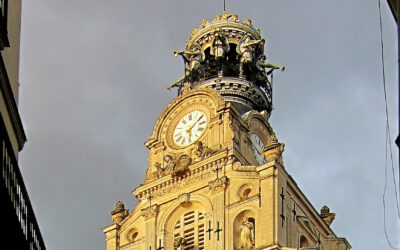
(215, 178)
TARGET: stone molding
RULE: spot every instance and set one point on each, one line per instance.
(150, 212)
(218, 185)
(175, 183)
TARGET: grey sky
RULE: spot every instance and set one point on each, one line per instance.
(93, 77)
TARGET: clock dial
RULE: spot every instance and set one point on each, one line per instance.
(190, 128)
(258, 147)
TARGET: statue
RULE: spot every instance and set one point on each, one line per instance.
(170, 164)
(246, 50)
(201, 151)
(176, 83)
(327, 216)
(180, 243)
(219, 45)
(246, 235)
(192, 58)
(177, 165)
(119, 213)
(261, 64)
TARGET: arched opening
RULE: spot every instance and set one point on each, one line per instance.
(244, 230)
(253, 221)
(132, 235)
(303, 242)
(189, 231)
(246, 193)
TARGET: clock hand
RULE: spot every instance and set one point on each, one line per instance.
(189, 130)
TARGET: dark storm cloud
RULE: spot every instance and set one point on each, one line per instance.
(93, 78)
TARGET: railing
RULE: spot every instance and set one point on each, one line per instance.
(17, 194)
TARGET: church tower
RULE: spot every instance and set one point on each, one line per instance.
(215, 177)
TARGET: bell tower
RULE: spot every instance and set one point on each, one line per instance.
(215, 177)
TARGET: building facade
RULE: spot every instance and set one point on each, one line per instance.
(20, 229)
(216, 177)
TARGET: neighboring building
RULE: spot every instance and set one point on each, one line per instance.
(394, 8)
(216, 178)
(19, 226)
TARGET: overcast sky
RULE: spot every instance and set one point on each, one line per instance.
(93, 78)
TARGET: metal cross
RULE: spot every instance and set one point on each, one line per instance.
(217, 169)
(209, 230)
(282, 215)
(294, 212)
(218, 230)
(150, 198)
(160, 247)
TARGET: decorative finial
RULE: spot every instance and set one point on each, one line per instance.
(327, 216)
(119, 213)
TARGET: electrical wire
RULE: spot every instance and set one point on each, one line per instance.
(388, 138)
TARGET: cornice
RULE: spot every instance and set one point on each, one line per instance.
(197, 171)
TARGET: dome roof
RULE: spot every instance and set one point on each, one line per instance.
(227, 54)
(233, 28)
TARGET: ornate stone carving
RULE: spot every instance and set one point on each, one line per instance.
(246, 235)
(150, 212)
(119, 213)
(202, 152)
(327, 216)
(177, 165)
(241, 90)
(237, 166)
(218, 185)
(184, 199)
(273, 150)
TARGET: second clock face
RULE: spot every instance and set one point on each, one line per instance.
(258, 147)
(190, 128)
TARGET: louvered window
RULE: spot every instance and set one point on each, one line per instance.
(190, 227)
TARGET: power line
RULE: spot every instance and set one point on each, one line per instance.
(388, 138)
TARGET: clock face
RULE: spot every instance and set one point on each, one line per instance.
(258, 147)
(190, 128)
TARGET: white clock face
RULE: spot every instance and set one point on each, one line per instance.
(258, 147)
(190, 128)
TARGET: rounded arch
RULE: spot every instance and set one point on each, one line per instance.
(211, 98)
(244, 191)
(244, 220)
(304, 241)
(196, 201)
(132, 234)
(262, 117)
(187, 220)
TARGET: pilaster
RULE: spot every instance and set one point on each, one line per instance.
(217, 191)
(111, 233)
(150, 216)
